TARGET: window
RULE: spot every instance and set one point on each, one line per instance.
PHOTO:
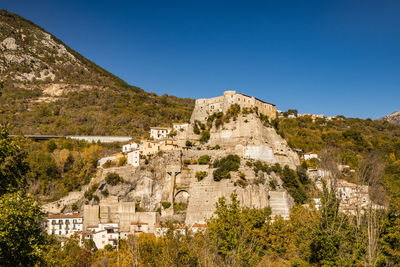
(103, 242)
(102, 236)
(59, 232)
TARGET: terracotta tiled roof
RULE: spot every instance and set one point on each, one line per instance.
(64, 216)
(160, 128)
(199, 225)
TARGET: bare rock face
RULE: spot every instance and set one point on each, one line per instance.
(393, 118)
(247, 136)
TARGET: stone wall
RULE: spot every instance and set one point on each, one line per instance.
(207, 106)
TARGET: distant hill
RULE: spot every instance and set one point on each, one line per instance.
(393, 118)
(51, 89)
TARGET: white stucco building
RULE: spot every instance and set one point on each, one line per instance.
(64, 224)
(308, 156)
(180, 126)
(134, 158)
(104, 234)
(159, 132)
(129, 147)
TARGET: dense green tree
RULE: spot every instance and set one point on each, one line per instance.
(21, 236)
(12, 163)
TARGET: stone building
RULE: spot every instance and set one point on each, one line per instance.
(206, 106)
(110, 210)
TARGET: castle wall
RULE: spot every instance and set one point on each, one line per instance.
(90, 215)
(207, 106)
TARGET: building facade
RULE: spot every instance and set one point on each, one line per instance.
(159, 132)
(207, 106)
(64, 224)
(130, 147)
(133, 157)
(104, 234)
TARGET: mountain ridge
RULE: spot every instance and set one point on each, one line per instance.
(49, 88)
(393, 117)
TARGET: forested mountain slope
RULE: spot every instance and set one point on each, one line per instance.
(51, 89)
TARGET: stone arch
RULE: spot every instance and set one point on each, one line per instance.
(182, 196)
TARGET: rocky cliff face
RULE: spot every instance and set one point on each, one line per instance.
(393, 118)
(29, 55)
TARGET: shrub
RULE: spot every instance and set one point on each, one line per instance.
(105, 193)
(201, 175)
(89, 193)
(225, 166)
(172, 133)
(180, 206)
(249, 164)
(273, 184)
(113, 178)
(186, 161)
(108, 164)
(74, 207)
(204, 160)
(205, 136)
(188, 143)
(241, 183)
(108, 247)
(51, 146)
(242, 176)
(217, 147)
(166, 205)
(122, 161)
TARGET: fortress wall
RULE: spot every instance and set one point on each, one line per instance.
(90, 215)
(204, 195)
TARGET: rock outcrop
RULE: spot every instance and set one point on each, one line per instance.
(393, 118)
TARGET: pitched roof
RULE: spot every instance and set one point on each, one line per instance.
(199, 225)
(64, 216)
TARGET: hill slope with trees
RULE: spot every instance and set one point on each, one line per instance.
(48, 88)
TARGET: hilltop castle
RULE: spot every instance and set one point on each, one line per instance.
(207, 106)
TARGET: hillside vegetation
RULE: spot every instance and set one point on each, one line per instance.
(51, 89)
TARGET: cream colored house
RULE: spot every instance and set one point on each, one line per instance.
(134, 157)
(104, 234)
(180, 126)
(159, 132)
(129, 147)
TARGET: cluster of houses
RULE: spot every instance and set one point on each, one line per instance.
(159, 141)
(103, 234)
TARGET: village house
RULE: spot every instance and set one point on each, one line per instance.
(352, 194)
(180, 126)
(104, 234)
(133, 158)
(64, 224)
(161, 229)
(130, 147)
(198, 228)
(310, 155)
(159, 132)
(149, 147)
(138, 228)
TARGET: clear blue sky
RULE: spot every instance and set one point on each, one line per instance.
(323, 57)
